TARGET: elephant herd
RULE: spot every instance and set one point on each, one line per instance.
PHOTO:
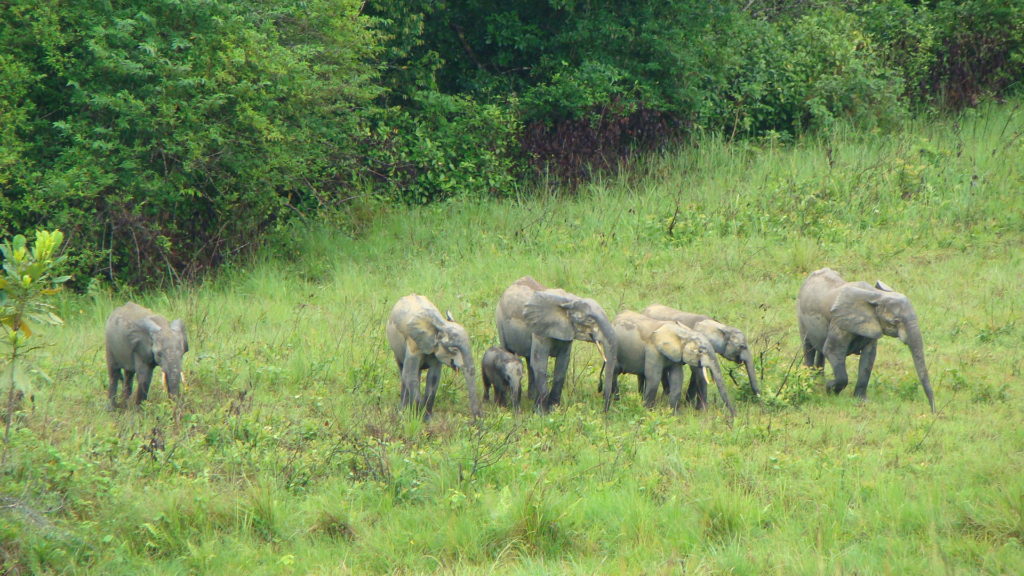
(836, 319)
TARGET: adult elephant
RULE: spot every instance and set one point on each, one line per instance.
(538, 323)
(657, 349)
(730, 343)
(839, 318)
(422, 340)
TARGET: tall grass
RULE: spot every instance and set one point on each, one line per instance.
(287, 454)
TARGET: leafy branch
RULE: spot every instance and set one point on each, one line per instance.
(26, 281)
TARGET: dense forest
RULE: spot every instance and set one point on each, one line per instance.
(165, 136)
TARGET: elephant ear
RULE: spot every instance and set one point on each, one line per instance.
(854, 311)
(142, 334)
(424, 331)
(547, 314)
(178, 326)
(668, 342)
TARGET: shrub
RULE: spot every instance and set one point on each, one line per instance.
(162, 136)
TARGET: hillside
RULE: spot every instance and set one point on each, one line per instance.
(287, 454)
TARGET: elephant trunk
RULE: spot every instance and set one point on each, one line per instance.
(609, 345)
(711, 363)
(911, 336)
(172, 378)
(515, 390)
(748, 360)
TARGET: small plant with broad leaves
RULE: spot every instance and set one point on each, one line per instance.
(27, 279)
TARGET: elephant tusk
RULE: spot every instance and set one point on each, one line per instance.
(601, 350)
(704, 371)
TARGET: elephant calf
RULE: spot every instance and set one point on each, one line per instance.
(138, 340)
(422, 340)
(503, 370)
(839, 318)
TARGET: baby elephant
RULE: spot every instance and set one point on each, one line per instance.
(137, 340)
(504, 371)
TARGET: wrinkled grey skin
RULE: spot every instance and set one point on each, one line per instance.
(422, 340)
(138, 340)
(536, 323)
(655, 350)
(503, 370)
(839, 318)
(730, 343)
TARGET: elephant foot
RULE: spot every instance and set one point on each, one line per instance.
(834, 387)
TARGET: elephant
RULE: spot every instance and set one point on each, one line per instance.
(422, 340)
(137, 340)
(730, 343)
(839, 318)
(503, 370)
(655, 350)
(536, 323)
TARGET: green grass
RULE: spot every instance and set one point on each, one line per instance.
(288, 456)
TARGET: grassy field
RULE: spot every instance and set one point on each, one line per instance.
(288, 456)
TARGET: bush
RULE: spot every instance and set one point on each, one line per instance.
(445, 146)
(162, 136)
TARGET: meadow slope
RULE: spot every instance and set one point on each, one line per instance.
(287, 454)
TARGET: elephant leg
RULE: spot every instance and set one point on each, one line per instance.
(558, 379)
(433, 378)
(114, 376)
(411, 380)
(531, 391)
(641, 384)
(809, 352)
(129, 379)
(487, 388)
(673, 378)
(539, 373)
(836, 346)
(145, 374)
(697, 391)
(819, 360)
(867, 362)
(652, 379)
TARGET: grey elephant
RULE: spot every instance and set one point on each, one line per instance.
(137, 340)
(538, 322)
(730, 343)
(656, 350)
(503, 370)
(422, 340)
(839, 318)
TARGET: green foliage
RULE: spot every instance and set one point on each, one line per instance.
(28, 277)
(165, 137)
(174, 130)
(443, 147)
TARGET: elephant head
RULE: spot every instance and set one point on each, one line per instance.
(681, 344)
(168, 343)
(731, 343)
(559, 315)
(874, 312)
(446, 340)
